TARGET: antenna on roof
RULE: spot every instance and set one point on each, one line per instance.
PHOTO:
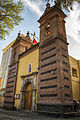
(47, 5)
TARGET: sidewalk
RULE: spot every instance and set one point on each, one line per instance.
(27, 115)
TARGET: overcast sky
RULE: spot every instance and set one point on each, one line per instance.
(32, 11)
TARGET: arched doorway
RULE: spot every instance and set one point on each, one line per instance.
(28, 97)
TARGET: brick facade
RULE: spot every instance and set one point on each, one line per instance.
(54, 83)
(20, 45)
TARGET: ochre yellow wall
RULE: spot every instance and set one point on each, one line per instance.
(75, 80)
(31, 58)
(1, 101)
(1, 97)
(2, 91)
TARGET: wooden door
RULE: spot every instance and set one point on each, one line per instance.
(28, 97)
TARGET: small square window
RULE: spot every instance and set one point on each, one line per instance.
(29, 68)
(74, 72)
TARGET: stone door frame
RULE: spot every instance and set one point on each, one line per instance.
(25, 82)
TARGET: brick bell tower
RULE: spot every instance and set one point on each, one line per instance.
(54, 83)
(21, 44)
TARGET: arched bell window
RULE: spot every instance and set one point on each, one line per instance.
(48, 29)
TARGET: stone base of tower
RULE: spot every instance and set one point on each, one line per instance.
(9, 106)
(51, 108)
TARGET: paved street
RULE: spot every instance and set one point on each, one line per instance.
(24, 115)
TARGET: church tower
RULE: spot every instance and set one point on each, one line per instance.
(54, 83)
(21, 44)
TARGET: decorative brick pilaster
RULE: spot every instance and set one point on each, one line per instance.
(54, 83)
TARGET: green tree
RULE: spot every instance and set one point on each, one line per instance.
(9, 16)
(64, 3)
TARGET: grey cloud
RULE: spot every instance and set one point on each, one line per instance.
(78, 18)
(78, 34)
(74, 47)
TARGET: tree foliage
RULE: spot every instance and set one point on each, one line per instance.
(64, 3)
(9, 16)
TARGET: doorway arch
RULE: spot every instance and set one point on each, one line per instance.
(28, 96)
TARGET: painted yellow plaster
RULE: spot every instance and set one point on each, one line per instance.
(1, 101)
(31, 57)
(75, 79)
(2, 91)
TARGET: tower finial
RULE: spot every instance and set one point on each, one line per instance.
(28, 33)
(19, 33)
(47, 5)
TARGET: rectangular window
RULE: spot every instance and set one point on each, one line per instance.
(48, 57)
(29, 68)
(53, 70)
(12, 76)
(10, 82)
(74, 72)
(66, 78)
(65, 70)
(64, 49)
(48, 64)
(48, 50)
(65, 86)
(14, 53)
(67, 95)
(65, 63)
(8, 96)
(64, 55)
(9, 86)
(48, 95)
(53, 78)
(47, 87)
(9, 91)
(9, 102)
